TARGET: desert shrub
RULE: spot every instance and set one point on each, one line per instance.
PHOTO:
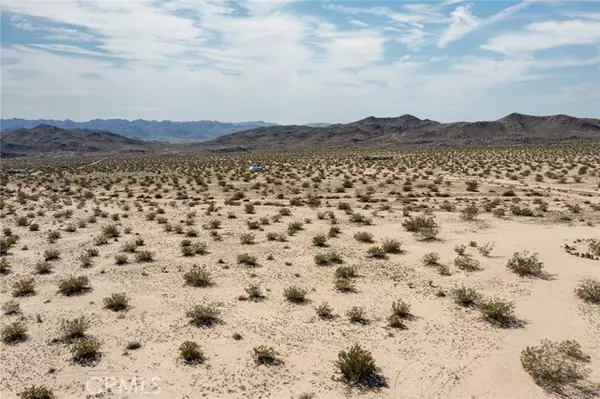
(294, 227)
(391, 246)
(110, 231)
(460, 249)
(198, 277)
(4, 266)
(324, 311)
(431, 259)
(74, 285)
(263, 354)
(524, 264)
(203, 315)
(334, 231)
(401, 309)
(444, 270)
(37, 392)
(328, 258)
(589, 290)
(53, 236)
(498, 311)
(92, 252)
(552, 365)
(101, 240)
(472, 185)
(34, 227)
(247, 259)
(199, 248)
(253, 224)
(11, 307)
(191, 353)
(295, 294)
(423, 227)
(116, 302)
(43, 267)
(191, 233)
(51, 254)
(254, 292)
(187, 251)
(130, 246)
(521, 210)
(363, 236)
(594, 247)
(121, 259)
(356, 314)
(466, 296)
(247, 239)
(320, 240)
(467, 263)
(74, 328)
(470, 212)
(13, 333)
(359, 218)
(344, 285)
(486, 249)
(144, 256)
(24, 287)
(376, 252)
(345, 272)
(86, 260)
(86, 351)
(357, 366)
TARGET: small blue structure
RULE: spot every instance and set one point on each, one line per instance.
(256, 167)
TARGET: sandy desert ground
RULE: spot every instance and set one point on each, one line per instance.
(336, 226)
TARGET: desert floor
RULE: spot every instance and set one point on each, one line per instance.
(443, 350)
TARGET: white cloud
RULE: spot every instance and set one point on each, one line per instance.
(544, 35)
(464, 22)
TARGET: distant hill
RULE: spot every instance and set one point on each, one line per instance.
(52, 140)
(407, 130)
(143, 129)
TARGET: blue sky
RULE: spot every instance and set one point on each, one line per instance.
(292, 61)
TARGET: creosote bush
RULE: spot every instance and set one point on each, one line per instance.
(324, 311)
(554, 365)
(86, 351)
(74, 328)
(198, 276)
(295, 294)
(116, 302)
(203, 315)
(74, 285)
(467, 263)
(498, 311)
(357, 366)
(431, 259)
(524, 264)
(14, 333)
(191, 353)
(589, 290)
(264, 354)
(37, 392)
(466, 296)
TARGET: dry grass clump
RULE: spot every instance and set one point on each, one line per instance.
(466, 296)
(320, 240)
(357, 367)
(14, 333)
(498, 311)
(191, 353)
(74, 328)
(86, 351)
(203, 315)
(74, 285)
(391, 246)
(116, 302)
(329, 258)
(431, 259)
(524, 264)
(364, 236)
(37, 392)
(356, 314)
(295, 294)
(422, 227)
(24, 287)
(266, 355)
(589, 290)
(554, 365)
(324, 311)
(11, 308)
(247, 259)
(467, 263)
(198, 276)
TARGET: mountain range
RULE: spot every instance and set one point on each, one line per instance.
(408, 130)
(192, 131)
(371, 132)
